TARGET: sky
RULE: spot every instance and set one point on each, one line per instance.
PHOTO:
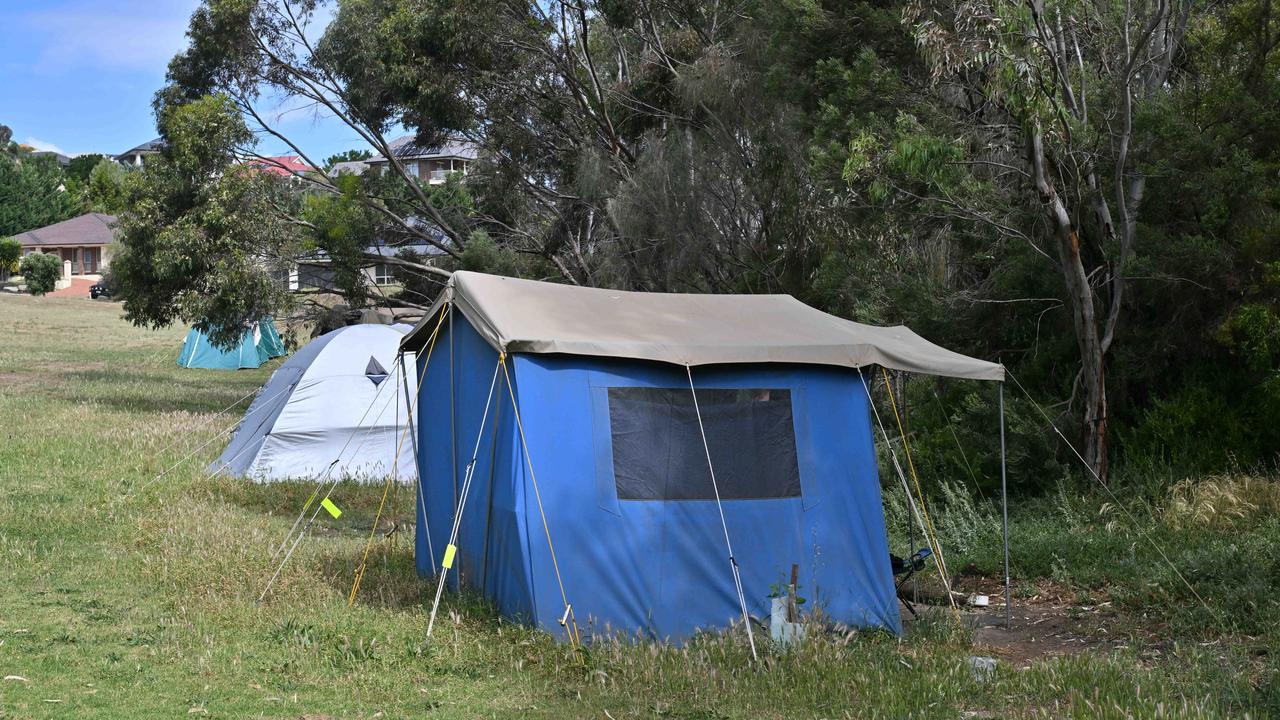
(77, 76)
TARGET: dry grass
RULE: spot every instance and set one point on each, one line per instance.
(1222, 501)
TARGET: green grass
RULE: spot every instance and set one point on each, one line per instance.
(125, 603)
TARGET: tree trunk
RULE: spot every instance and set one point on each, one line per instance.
(1080, 295)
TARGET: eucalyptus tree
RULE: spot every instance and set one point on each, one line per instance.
(624, 142)
(201, 237)
(1050, 91)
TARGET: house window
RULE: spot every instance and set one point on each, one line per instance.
(382, 274)
(285, 277)
(316, 277)
(90, 260)
(658, 452)
(437, 170)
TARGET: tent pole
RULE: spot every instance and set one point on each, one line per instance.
(451, 548)
(1004, 510)
(453, 415)
(408, 402)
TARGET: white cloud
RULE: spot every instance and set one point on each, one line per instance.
(45, 146)
(89, 37)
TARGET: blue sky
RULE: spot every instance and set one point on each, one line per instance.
(78, 75)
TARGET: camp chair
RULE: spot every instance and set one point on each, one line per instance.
(907, 568)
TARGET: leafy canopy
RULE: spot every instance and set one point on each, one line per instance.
(33, 194)
(196, 244)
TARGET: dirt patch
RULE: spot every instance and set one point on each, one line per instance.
(13, 380)
(49, 376)
(1044, 630)
(1052, 622)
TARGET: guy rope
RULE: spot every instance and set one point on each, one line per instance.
(925, 527)
(391, 477)
(568, 620)
(733, 562)
(452, 548)
(915, 478)
(320, 484)
(1133, 521)
(266, 403)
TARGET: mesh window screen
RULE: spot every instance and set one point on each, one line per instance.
(658, 453)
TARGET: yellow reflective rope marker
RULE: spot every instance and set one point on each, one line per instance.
(327, 504)
(449, 552)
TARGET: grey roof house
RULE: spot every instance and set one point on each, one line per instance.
(349, 167)
(431, 164)
(83, 241)
(63, 160)
(138, 155)
(314, 270)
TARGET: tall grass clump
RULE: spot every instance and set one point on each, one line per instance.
(1222, 502)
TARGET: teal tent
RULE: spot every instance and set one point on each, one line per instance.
(259, 344)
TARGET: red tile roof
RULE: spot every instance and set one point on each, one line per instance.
(284, 165)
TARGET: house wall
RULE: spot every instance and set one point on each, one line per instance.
(433, 171)
(84, 259)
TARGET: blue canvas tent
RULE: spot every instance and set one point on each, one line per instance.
(259, 344)
(621, 508)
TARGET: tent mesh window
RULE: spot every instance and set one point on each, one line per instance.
(658, 452)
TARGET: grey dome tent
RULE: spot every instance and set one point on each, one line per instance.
(341, 397)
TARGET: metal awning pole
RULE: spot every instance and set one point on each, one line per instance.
(1004, 509)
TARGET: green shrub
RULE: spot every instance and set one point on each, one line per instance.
(10, 251)
(41, 272)
(1240, 413)
(1221, 533)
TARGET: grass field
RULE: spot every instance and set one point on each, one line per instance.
(125, 598)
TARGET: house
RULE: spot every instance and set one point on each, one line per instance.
(349, 167)
(137, 156)
(62, 160)
(285, 166)
(430, 164)
(315, 271)
(82, 241)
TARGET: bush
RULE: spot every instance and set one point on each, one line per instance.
(1241, 411)
(42, 272)
(10, 251)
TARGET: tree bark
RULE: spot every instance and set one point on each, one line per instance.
(1081, 299)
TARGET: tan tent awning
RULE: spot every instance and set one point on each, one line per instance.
(539, 317)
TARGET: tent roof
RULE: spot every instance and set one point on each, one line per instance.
(684, 329)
